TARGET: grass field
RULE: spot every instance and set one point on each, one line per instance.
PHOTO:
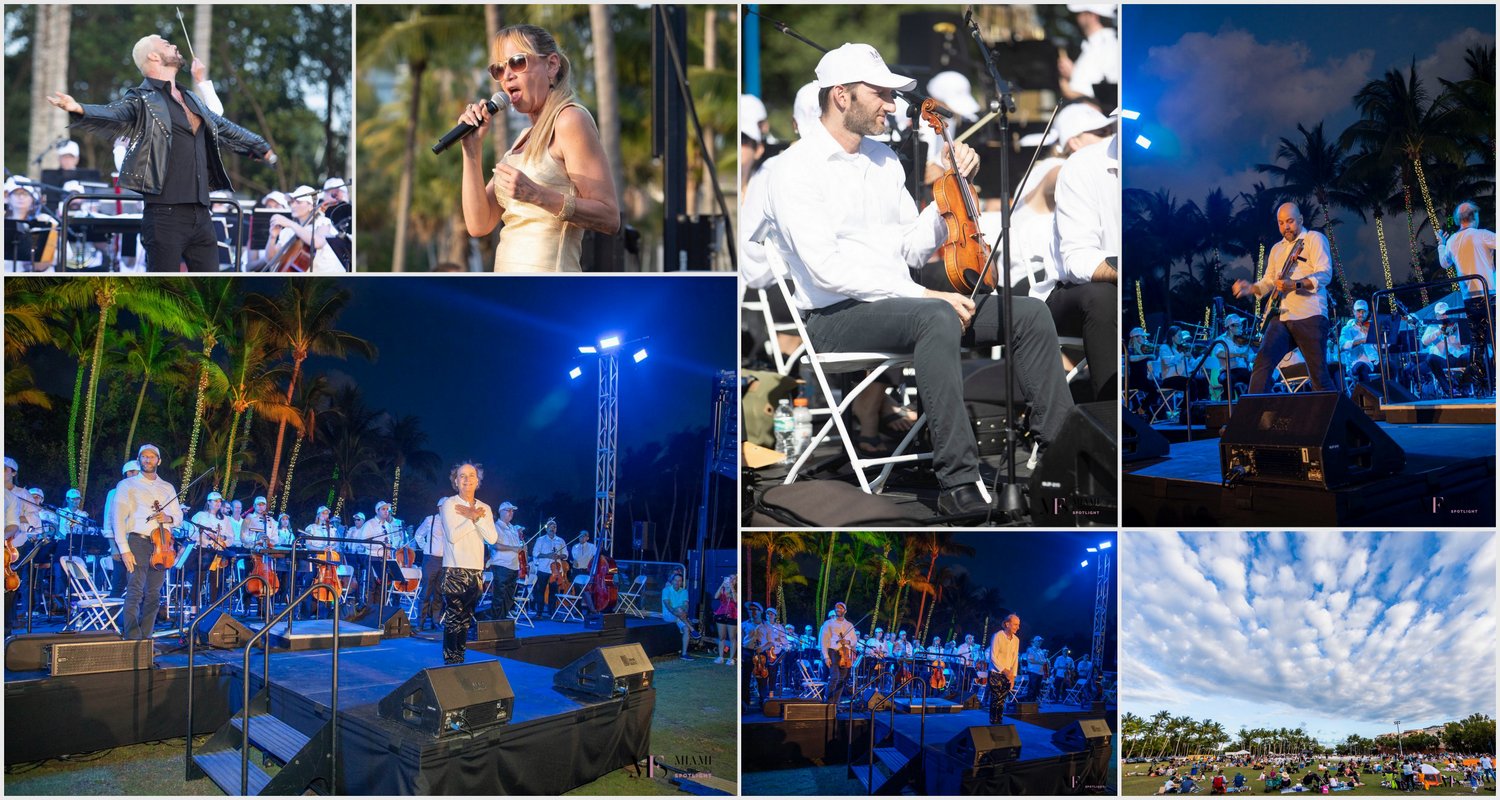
(1139, 784)
(694, 725)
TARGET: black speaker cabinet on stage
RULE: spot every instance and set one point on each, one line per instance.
(604, 622)
(218, 629)
(875, 700)
(86, 658)
(396, 625)
(607, 671)
(1083, 734)
(453, 700)
(1076, 482)
(26, 652)
(489, 630)
(985, 745)
(1138, 440)
(1311, 438)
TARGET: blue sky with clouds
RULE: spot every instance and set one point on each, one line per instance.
(1341, 633)
(1218, 86)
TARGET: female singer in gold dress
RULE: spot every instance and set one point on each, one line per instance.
(554, 181)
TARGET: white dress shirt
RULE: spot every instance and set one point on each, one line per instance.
(508, 535)
(431, 545)
(1098, 62)
(214, 524)
(1471, 251)
(755, 270)
(133, 507)
(255, 528)
(20, 514)
(317, 533)
(377, 533)
(1087, 221)
(464, 539)
(844, 223)
(107, 523)
(542, 550)
(833, 632)
(1313, 265)
(583, 555)
(1005, 652)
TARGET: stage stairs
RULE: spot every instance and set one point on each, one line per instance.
(282, 760)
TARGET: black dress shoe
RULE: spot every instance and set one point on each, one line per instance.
(965, 499)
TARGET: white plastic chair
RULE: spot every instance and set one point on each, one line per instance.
(92, 609)
(567, 602)
(813, 687)
(409, 599)
(521, 609)
(630, 600)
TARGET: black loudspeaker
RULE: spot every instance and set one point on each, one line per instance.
(1075, 483)
(396, 624)
(26, 652)
(1138, 440)
(985, 745)
(604, 622)
(453, 700)
(1306, 438)
(490, 630)
(1023, 709)
(606, 672)
(875, 700)
(86, 658)
(218, 629)
(1083, 734)
(971, 702)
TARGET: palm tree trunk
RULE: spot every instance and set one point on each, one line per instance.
(606, 83)
(105, 298)
(244, 439)
(286, 491)
(408, 166)
(234, 429)
(203, 31)
(140, 400)
(1333, 251)
(500, 126)
(1411, 237)
(922, 609)
(49, 64)
(73, 419)
(710, 63)
(770, 556)
(281, 428)
(198, 406)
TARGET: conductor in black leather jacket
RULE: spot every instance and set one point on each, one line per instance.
(173, 157)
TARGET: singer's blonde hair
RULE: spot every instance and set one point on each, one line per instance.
(534, 39)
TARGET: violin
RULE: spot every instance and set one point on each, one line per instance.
(964, 253)
(759, 669)
(163, 553)
(559, 580)
(12, 578)
(846, 655)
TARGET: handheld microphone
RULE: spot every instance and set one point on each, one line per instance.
(499, 101)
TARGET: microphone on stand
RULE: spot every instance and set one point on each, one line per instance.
(499, 101)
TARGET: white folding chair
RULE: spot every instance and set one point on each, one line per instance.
(630, 600)
(1075, 694)
(521, 610)
(409, 599)
(812, 686)
(783, 361)
(825, 364)
(567, 602)
(92, 609)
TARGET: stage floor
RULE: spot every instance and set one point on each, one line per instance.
(1448, 481)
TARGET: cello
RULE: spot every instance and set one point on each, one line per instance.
(406, 557)
(964, 252)
(328, 572)
(269, 584)
(558, 583)
(601, 589)
(12, 578)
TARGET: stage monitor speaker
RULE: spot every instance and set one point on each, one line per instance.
(604, 622)
(971, 702)
(804, 712)
(27, 652)
(86, 658)
(396, 624)
(607, 671)
(875, 700)
(219, 629)
(490, 630)
(1306, 438)
(1026, 708)
(454, 700)
(1138, 440)
(1076, 482)
(985, 745)
(1083, 734)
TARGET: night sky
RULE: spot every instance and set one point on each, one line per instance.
(1218, 86)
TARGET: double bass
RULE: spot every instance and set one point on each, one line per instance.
(965, 254)
(601, 589)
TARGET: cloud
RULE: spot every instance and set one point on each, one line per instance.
(1364, 627)
(1231, 85)
(1447, 59)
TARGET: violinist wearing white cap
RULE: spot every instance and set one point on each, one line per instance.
(142, 504)
(851, 261)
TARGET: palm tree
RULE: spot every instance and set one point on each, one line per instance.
(1132, 728)
(1158, 228)
(351, 435)
(406, 438)
(302, 319)
(1371, 185)
(147, 352)
(311, 394)
(1313, 169)
(215, 307)
(779, 545)
(935, 544)
(411, 38)
(251, 380)
(25, 327)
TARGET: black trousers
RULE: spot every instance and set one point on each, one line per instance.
(999, 691)
(461, 590)
(1308, 335)
(929, 329)
(432, 601)
(178, 233)
(1088, 310)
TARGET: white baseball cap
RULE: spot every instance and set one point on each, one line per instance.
(1103, 10)
(334, 183)
(148, 446)
(305, 192)
(752, 114)
(953, 90)
(805, 111)
(508, 504)
(131, 466)
(37, 491)
(72, 493)
(68, 148)
(11, 464)
(258, 501)
(212, 496)
(279, 197)
(1074, 119)
(1358, 304)
(859, 63)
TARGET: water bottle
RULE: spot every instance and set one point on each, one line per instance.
(802, 423)
(785, 426)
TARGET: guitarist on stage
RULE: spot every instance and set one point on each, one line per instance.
(1298, 271)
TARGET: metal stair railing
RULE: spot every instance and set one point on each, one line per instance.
(192, 633)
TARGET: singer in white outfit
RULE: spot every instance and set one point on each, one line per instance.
(467, 526)
(555, 181)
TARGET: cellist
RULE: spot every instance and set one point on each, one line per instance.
(547, 550)
(311, 228)
(851, 264)
(141, 504)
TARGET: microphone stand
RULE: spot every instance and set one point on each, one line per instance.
(1012, 503)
